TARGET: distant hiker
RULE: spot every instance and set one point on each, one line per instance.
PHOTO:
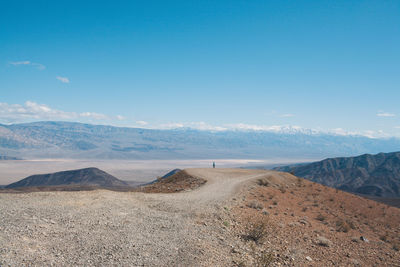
(213, 164)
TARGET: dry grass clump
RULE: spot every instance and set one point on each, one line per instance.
(320, 217)
(384, 237)
(265, 259)
(263, 182)
(255, 205)
(256, 231)
(344, 226)
(323, 241)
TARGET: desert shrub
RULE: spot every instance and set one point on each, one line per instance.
(256, 231)
(322, 241)
(351, 224)
(321, 217)
(263, 182)
(384, 237)
(342, 226)
(255, 205)
(304, 209)
(265, 259)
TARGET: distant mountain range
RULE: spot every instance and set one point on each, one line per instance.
(8, 158)
(82, 177)
(374, 175)
(85, 141)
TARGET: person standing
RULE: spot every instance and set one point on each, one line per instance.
(213, 164)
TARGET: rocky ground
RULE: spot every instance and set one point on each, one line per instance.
(177, 182)
(294, 222)
(231, 220)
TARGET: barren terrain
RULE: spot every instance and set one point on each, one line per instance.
(212, 225)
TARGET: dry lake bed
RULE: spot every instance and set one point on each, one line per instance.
(129, 170)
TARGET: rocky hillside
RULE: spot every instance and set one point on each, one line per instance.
(375, 175)
(81, 177)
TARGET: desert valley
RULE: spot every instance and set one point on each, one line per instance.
(200, 133)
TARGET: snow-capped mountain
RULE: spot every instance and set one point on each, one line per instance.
(77, 140)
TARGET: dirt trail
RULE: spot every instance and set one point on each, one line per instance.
(222, 185)
(122, 228)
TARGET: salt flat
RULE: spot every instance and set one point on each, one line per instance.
(129, 170)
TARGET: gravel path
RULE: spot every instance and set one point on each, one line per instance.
(105, 228)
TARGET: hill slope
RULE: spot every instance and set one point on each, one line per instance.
(375, 175)
(81, 177)
(231, 220)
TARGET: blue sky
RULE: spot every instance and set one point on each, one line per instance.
(327, 65)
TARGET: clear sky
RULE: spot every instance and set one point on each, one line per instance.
(315, 64)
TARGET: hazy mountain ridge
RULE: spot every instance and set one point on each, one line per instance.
(376, 175)
(8, 158)
(77, 140)
(81, 177)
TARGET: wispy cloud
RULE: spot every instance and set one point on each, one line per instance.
(193, 125)
(16, 63)
(27, 62)
(287, 115)
(172, 125)
(269, 128)
(375, 134)
(120, 117)
(94, 115)
(13, 113)
(39, 66)
(62, 79)
(385, 114)
(142, 123)
(279, 129)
